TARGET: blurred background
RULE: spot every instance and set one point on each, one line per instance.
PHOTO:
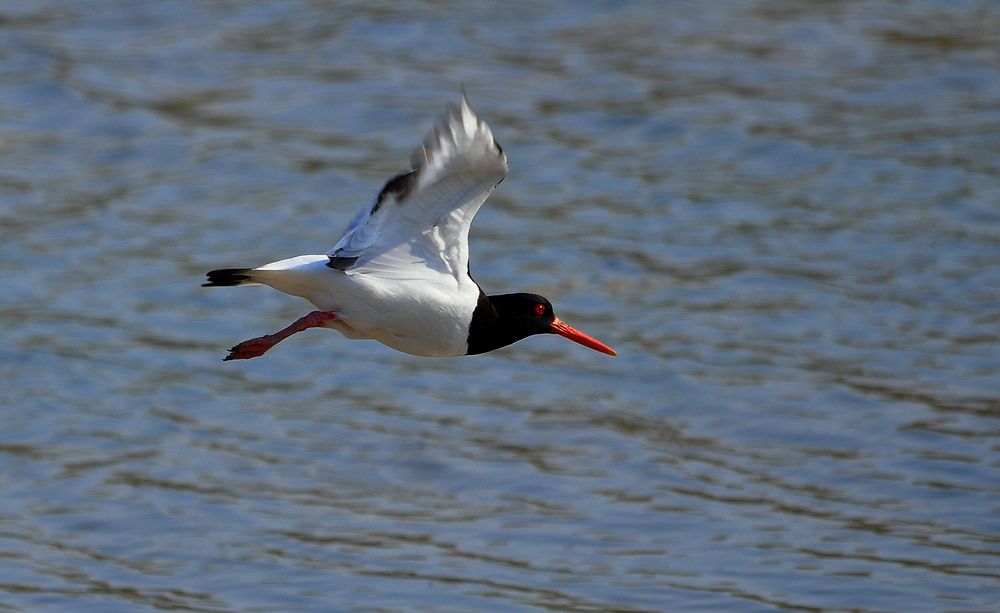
(785, 216)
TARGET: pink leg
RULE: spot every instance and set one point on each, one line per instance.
(258, 346)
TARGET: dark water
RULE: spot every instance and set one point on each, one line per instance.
(784, 215)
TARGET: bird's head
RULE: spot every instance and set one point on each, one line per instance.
(521, 315)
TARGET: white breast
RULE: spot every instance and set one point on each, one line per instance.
(416, 317)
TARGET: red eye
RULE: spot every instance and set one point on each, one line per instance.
(539, 309)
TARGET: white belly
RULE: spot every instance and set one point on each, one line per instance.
(418, 318)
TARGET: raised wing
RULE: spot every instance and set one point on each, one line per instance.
(419, 222)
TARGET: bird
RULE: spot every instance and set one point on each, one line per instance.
(400, 273)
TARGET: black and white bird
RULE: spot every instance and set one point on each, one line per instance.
(400, 273)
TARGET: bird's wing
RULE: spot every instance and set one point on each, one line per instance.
(418, 225)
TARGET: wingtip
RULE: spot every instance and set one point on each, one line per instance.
(455, 130)
(465, 115)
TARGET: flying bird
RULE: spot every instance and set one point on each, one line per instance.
(400, 273)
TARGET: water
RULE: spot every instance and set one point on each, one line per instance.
(784, 216)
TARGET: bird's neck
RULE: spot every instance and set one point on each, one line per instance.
(491, 327)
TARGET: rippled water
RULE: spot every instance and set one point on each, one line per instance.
(784, 215)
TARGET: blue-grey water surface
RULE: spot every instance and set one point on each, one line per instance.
(785, 216)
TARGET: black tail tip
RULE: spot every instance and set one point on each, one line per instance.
(227, 277)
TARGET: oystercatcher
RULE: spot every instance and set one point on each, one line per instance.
(400, 273)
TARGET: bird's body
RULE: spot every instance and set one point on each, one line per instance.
(429, 315)
(400, 273)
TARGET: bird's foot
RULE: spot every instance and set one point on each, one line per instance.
(252, 348)
(256, 347)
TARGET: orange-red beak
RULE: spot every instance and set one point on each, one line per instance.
(562, 329)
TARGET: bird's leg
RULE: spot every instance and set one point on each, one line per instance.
(258, 346)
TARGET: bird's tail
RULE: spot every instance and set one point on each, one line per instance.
(298, 276)
(229, 277)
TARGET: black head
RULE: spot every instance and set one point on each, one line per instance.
(501, 320)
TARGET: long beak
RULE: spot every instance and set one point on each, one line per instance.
(562, 329)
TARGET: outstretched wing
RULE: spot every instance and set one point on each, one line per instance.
(419, 222)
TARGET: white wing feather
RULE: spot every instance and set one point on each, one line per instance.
(419, 223)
